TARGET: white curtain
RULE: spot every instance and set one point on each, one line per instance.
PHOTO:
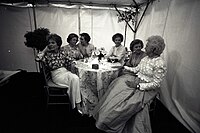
(100, 23)
(177, 21)
(14, 23)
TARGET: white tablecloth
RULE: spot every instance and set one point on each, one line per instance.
(94, 82)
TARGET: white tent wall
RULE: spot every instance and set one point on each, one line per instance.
(100, 23)
(178, 22)
(61, 21)
(104, 25)
(14, 24)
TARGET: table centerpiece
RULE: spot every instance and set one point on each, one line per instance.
(100, 53)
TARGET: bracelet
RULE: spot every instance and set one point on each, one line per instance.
(138, 86)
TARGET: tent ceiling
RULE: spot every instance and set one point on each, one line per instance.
(86, 2)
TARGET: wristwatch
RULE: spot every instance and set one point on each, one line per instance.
(138, 86)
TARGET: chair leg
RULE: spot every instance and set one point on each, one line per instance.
(47, 96)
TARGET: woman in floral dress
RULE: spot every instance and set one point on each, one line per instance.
(72, 49)
(57, 60)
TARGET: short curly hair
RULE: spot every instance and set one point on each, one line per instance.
(158, 43)
(117, 35)
(70, 36)
(86, 36)
(56, 38)
(134, 42)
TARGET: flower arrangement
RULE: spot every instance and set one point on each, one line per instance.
(100, 53)
(128, 15)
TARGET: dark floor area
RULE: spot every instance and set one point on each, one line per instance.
(23, 110)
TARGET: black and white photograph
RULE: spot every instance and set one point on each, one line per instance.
(99, 66)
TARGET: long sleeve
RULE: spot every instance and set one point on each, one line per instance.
(89, 49)
(121, 53)
(118, 52)
(150, 71)
(110, 52)
(133, 69)
(154, 76)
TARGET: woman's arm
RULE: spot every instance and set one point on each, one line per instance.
(41, 54)
(132, 69)
(121, 53)
(158, 75)
(110, 52)
(89, 49)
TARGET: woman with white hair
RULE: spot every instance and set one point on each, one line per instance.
(124, 106)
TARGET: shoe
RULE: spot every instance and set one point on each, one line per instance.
(80, 112)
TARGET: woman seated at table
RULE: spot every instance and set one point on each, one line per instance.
(124, 106)
(84, 46)
(136, 55)
(57, 60)
(117, 52)
(72, 49)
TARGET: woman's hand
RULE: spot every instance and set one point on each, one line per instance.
(73, 66)
(46, 49)
(39, 56)
(130, 84)
(112, 58)
(133, 84)
(127, 68)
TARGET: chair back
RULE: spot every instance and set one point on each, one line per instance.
(44, 70)
(56, 94)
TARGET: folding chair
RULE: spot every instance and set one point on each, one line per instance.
(56, 94)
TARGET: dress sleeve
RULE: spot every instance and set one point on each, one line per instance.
(110, 52)
(158, 73)
(121, 53)
(128, 63)
(133, 69)
(39, 56)
(90, 49)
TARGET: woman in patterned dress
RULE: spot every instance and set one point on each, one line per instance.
(72, 51)
(72, 48)
(124, 106)
(57, 60)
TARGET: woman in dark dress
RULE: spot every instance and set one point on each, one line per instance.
(135, 57)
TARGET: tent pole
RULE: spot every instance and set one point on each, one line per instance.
(79, 20)
(34, 15)
(125, 20)
(35, 25)
(142, 16)
(125, 35)
(135, 3)
(135, 25)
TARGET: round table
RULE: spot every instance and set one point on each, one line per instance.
(95, 82)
